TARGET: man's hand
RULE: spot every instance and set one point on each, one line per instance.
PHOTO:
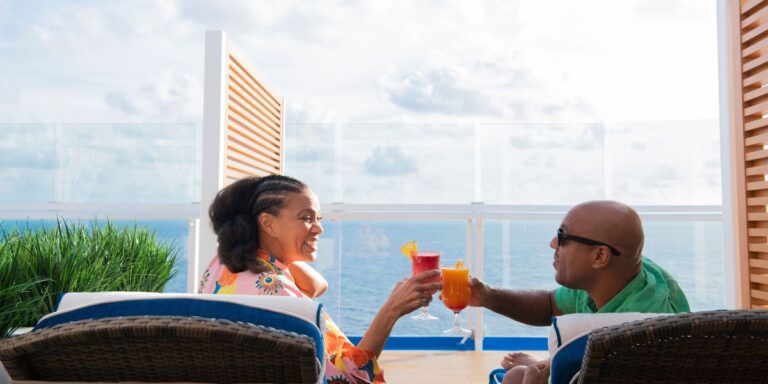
(479, 292)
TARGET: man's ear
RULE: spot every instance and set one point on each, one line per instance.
(267, 224)
(601, 256)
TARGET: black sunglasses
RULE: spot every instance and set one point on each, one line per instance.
(562, 236)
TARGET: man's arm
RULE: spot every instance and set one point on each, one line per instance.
(532, 307)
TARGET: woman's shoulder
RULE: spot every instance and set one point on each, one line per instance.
(217, 279)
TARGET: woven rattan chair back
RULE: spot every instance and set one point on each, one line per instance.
(161, 349)
(727, 346)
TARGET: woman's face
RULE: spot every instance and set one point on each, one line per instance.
(296, 228)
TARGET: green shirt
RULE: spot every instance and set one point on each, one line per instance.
(652, 290)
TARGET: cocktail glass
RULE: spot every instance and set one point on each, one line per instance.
(455, 296)
(425, 261)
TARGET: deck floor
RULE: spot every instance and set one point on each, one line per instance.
(441, 366)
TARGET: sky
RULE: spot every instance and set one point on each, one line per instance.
(570, 66)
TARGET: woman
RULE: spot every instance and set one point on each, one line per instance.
(266, 225)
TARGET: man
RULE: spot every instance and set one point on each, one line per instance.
(599, 265)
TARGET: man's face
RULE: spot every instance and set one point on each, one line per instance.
(572, 260)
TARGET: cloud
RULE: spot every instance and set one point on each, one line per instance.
(171, 97)
(389, 161)
(309, 110)
(439, 90)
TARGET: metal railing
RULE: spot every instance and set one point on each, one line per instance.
(475, 215)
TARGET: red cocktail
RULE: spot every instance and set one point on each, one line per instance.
(425, 261)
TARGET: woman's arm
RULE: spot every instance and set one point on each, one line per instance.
(307, 279)
(407, 296)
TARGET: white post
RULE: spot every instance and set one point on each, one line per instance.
(193, 252)
(730, 249)
(214, 107)
(338, 158)
(478, 152)
(477, 268)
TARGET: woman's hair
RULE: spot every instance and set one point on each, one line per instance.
(235, 212)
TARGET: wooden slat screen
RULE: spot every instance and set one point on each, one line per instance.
(254, 123)
(751, 155)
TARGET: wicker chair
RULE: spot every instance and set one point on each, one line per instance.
(726, 346)
(162, 349)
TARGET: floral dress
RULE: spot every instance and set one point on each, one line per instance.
(345, 363)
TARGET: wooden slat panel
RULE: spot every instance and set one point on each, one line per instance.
(256, 113)
(757, 186)
(758, 247)
(241, 116)
(259, 99)
(757, 48)
(760, 139)
(757, 171)
(756, 155)
(755, 232)
(237, 92)
(752, 64)
(751, 95)
(236, 143)
(242, 170)
(759, 278)
(245, 156)
(757, 217)
(749, 6)
(254, 157)
(752, 125)
(257, 84)
(253, 169)
(762, 295)
(235, 174)
(758, 17)
(267, 99)
(758, 263)
(757, 201)
(254, 129)
(757, 109)
(746, 37)
(757, 80)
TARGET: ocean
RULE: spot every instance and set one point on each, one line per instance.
(362, 262)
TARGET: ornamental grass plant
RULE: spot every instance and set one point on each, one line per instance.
(37, 265)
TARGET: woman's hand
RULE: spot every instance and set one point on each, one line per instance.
(413, 292)
(408, 294)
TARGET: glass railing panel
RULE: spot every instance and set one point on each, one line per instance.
(664, 163)
(128, 163)
(540, 164)
(692, 251)
(310, 156)
(516, 255)
(408, 163)
(384, 163)
(371, 264)
(28, 163)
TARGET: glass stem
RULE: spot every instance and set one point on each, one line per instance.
(456, 324)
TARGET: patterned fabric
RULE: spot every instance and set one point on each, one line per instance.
(345, 363)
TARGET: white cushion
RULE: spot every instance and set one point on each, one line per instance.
(578, 324)
(303, 308)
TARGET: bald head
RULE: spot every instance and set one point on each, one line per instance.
(610, 222)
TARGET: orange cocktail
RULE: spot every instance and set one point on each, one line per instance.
(455, 288)
(455, 295)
